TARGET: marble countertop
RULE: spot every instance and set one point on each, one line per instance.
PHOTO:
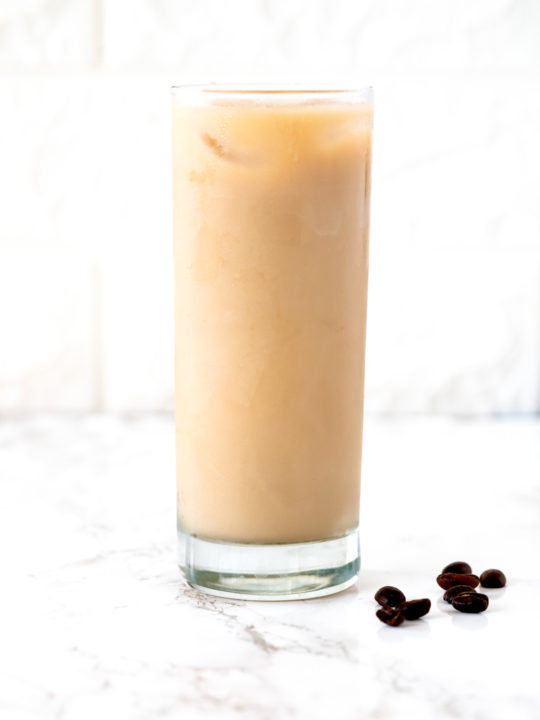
(96, 621)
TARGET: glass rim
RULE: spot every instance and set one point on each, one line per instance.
(269, 91)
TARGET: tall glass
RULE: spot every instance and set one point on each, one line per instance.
(271, 222)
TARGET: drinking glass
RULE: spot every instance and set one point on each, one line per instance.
(271, 192)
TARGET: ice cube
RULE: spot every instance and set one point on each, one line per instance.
(353, 128)
(214, 145)
(226, 153)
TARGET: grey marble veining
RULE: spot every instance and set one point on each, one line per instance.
(96, 620)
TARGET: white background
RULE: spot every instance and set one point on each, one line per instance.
(85, 229)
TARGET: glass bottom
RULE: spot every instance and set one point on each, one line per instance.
(288, 571)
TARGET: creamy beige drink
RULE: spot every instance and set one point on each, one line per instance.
(271, 218)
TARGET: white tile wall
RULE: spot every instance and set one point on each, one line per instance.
(454, 330)
(250, 37)
(49, 34)
(138, 332)
(49, 341)
(457, 159)
(85, 230)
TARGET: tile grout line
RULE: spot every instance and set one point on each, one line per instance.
(98, 15)
(97, 349)
(536, 390)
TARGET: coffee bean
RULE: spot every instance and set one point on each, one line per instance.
(454, 590)
(414, 609)
(389, 595)
(390, 616)
(446, 580)
(471, 602)
(460, 567)
(492, 578)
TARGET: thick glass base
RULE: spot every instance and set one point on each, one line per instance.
(289, 571)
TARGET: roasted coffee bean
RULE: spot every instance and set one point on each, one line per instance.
(472, 602)
(457, 590)
(492, 578)
(458, 567)
(414, 609)
(389, 595)
(446, 580)
(390, 616)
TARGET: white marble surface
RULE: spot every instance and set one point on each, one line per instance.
(96, 622)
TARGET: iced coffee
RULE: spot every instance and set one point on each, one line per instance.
(271, 219)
